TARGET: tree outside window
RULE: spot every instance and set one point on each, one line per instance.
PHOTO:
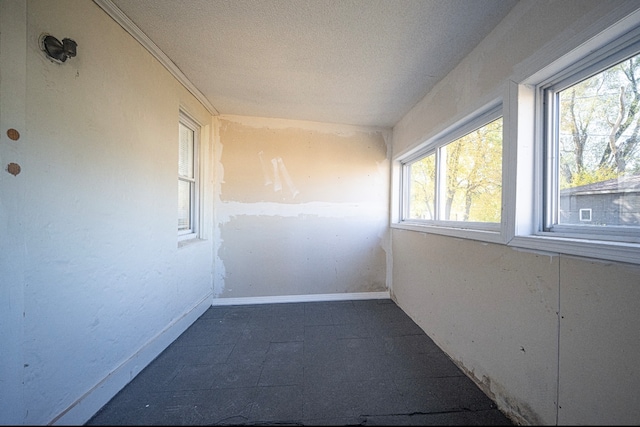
(598, 147)
(460, 181)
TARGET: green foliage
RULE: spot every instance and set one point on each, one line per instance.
(473, 179)
(423, 178)
(474, 175)
(600, 126)
(585, 177)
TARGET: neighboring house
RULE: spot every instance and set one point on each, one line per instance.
(611, 202)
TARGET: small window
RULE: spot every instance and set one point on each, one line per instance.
(188, 192)
(457, 182)
(585, 214)
(592, 166)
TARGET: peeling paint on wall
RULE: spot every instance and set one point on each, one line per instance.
(285, 175)
(265, 170)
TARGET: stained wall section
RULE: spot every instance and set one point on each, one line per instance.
(302, 209)
(552, 338)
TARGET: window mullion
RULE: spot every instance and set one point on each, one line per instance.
(441, 183)
(405, 192)
(551, 167)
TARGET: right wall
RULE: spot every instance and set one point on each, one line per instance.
(552, 338)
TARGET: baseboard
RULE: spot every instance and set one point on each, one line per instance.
(301, 298)
(86, 406)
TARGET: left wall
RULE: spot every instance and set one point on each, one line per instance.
(93, 284)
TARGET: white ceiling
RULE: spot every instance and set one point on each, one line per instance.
(360, 62)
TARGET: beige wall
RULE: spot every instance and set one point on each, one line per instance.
(491, 308)
(552, 338)
(599, 324)
(302, 208)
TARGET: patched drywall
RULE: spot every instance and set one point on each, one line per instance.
(303, 208)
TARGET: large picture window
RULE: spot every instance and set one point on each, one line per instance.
(592, 149)
(456, 180)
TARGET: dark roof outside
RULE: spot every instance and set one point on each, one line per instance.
(616, 185)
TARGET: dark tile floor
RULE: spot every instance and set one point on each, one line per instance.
(359, 362)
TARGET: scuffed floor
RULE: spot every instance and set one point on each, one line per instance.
(313, 363)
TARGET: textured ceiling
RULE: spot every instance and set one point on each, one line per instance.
(361, 62)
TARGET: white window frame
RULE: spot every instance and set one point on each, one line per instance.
(193, 232)
(490, 232)
(526, 104)
(585, 214)
(593, 64)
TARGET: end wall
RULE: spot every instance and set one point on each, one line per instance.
(302, 210)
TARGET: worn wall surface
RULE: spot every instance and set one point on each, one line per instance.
(599, 339)
(96, 285)
(493, 309)
(552, 338)
(302, 209)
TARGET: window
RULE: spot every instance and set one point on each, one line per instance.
(188, 139)
(592, 148)
(585, 214)
(455, 180)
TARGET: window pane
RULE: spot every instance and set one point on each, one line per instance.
(598, 175)
(184, 205)
(422, 188)
(473, 176)
(186, 152)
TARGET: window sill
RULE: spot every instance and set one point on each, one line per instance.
(597, 249)
(603, 250)
(188, 241)
(463, 233)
